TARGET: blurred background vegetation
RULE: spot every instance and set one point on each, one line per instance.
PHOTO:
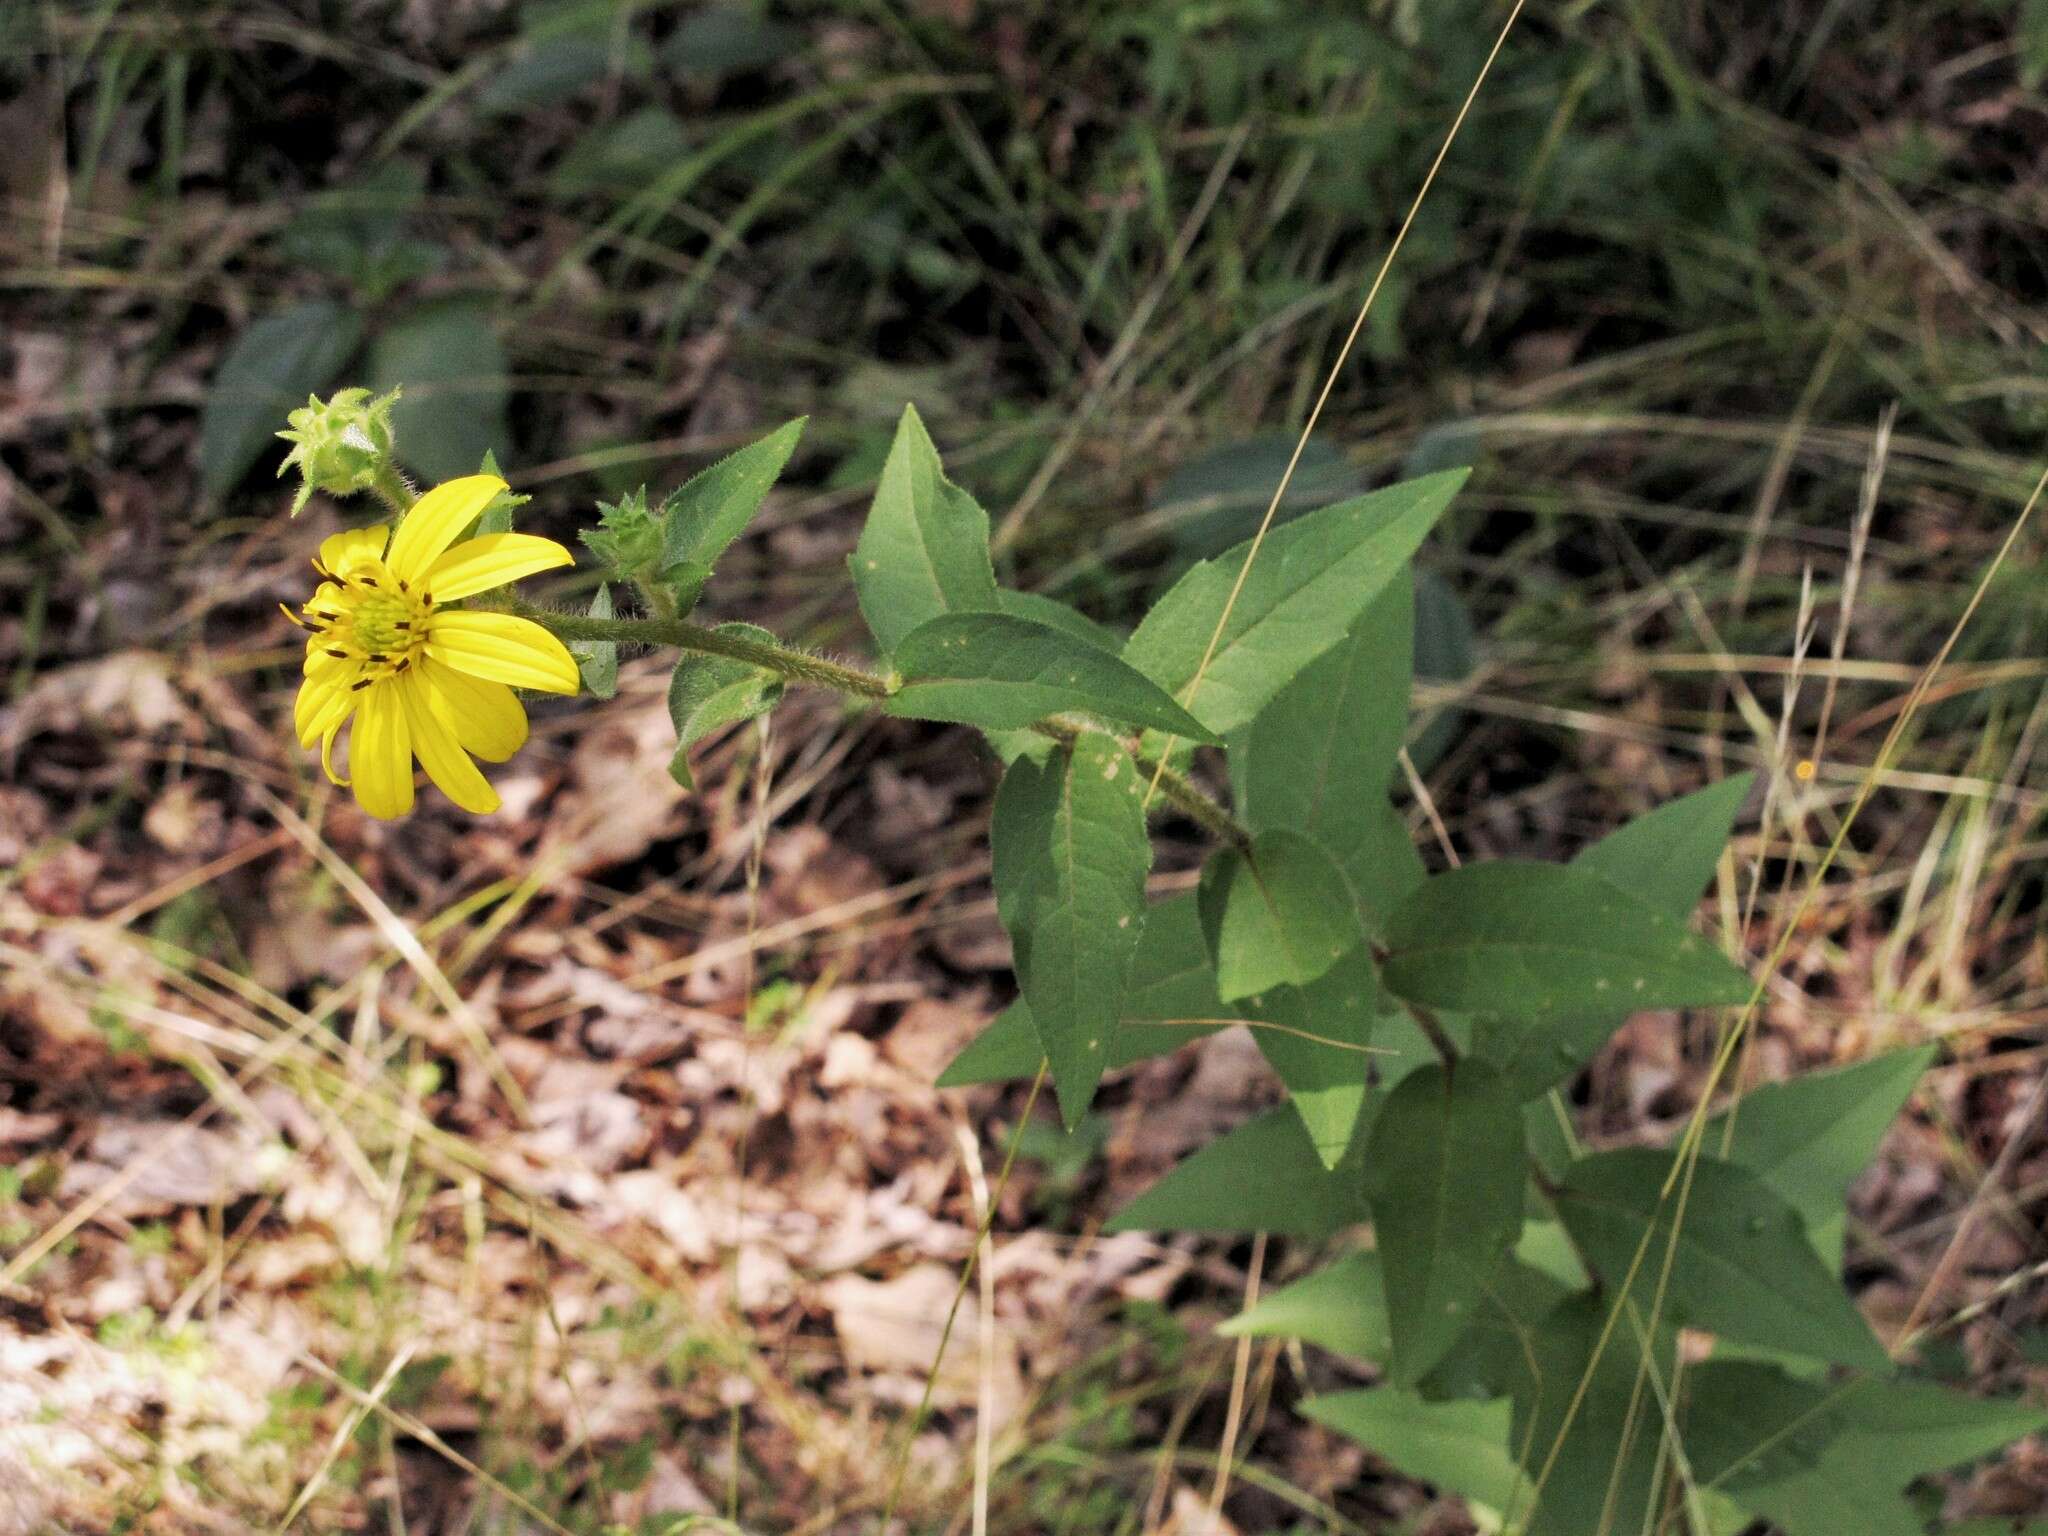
(1681, 262)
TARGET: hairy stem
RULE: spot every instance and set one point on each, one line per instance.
(391, 489)
(798, 666)
(802, 667)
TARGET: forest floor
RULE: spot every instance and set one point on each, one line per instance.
(581, 1165)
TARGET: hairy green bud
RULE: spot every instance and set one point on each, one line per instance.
(340, 445)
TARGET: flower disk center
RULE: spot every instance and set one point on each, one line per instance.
(386, 624)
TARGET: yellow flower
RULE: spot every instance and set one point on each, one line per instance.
(420, 678)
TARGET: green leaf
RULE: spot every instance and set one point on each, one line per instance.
(1320, 758)
(271, 369)
(1171, 979)
(1464, 1448)
(1319, 1046)
(1490, 1356)
(1817, 1459)
(1810, 1137)
(723, 40)
(1263, 1177)
(1536, 941)
(702, 518)
(1447, 1169)
(1277, 914)
(1446, 651)
(924, 549)
(497, 516)
(707, 693)
(448, 360)
(1342, 1307)
(1665, 857)
(1003, 673)
(1606, 1462)
(1217, 499)
(1661, 859)
(1070, 858)
(1741, 1268)
(598, 660)
(621, 156)
(1040, 609)
(1312, 578)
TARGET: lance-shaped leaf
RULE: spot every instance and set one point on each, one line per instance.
(1809, 1137)
(1536, 941)
(701, 519)
(1041, 609)
(271, 369)
(924, 549)
(1319, 1039)
(1313, 577)
(1816, 1459)
(1602, 1443)
(1070, 858)
(1002, 673)
(1319, 759)
(1263, 1177)
(706, 693)
(1341, 1307)
(1463, 1447)
(1662, 859)
(1277, 914)
(1447, 1168)
(598, 660)
(1170, 1000)
(1740, 1265)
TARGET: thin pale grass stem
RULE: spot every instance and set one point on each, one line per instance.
(1240, 1371)
(931, 1379)
(343, 1433)
(1329, 385)
(985, 1376)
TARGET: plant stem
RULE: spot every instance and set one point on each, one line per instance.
(797, 666)
(391, 489)
(802, 667)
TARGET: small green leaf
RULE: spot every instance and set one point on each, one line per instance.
(1320, 757)
(447, 358)
(1810, 1137)
(707, 693)
(1170, 1000)
(1263, 1177)
(1341, 1307)
(497, 517)
(1448, 1168)
(1003, 673)
(700, 520)
(924, 549)
(1465, 1448)
(1312, 579)
(1277, 914)
(1536, 941)
(1317, 1038)
(1741, 1267)
(1071, 854)
(598, 660)
(271, 369)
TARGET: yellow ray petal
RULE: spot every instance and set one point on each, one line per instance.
(504, 649)
(477, 565)
(340, 551)
(321, 707)
(435, 520)
(487, 717)
(380, 753)
(435, 745)
(327, 754)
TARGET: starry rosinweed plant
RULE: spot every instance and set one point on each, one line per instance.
(1521, 1300)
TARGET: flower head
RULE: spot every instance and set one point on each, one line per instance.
(422, 679)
